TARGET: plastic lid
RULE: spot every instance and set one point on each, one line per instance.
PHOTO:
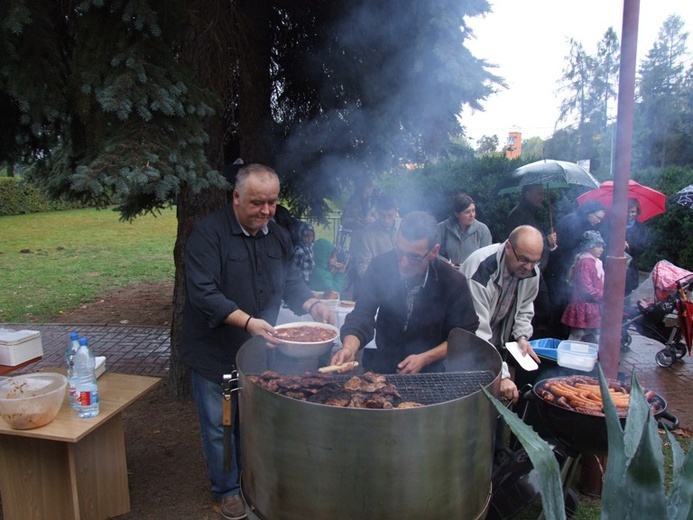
(82, 341)
(73, 336)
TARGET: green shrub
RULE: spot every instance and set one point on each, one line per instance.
(18, 198)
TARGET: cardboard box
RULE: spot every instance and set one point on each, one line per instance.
(18, 346)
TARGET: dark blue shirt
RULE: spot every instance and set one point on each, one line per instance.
(228, 270)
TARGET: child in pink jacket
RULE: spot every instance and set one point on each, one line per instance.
(583, 313)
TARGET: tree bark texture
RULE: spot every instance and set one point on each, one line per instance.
(206, 50)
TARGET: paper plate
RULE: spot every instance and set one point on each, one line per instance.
(525, 362)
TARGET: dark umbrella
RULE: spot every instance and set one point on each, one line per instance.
(550, 173)
(684, 197)
(547, 172)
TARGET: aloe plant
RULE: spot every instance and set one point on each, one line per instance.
(633, 485)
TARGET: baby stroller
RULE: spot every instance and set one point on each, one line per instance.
(663, 312)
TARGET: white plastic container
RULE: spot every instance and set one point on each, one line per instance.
(577, 355)
(18, 346)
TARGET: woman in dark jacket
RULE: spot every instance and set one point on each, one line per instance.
(636, 242)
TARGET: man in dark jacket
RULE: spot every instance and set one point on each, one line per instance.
(418, 300)
(526, 213)
(239, 267)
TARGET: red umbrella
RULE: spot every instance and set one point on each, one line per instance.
(652, 202)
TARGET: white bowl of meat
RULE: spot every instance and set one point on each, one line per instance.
(303, 339)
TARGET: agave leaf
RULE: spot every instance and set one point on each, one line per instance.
(543, 460)
(614, 475)
(681, 495)
(634, 485)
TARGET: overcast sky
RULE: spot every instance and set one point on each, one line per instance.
(528, 40)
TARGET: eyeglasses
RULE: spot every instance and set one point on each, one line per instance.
(524, 260)
(411, 257)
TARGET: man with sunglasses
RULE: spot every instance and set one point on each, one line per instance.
(504, 280)
(411, 300)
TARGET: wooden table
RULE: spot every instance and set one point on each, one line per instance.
(6, 369)
(72, 468)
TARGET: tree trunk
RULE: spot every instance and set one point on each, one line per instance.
(254, 42)
(206, 44)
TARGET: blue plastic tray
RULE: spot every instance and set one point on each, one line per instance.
(546, 348)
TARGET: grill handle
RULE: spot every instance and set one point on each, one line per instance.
(229, 385)
(666, 415)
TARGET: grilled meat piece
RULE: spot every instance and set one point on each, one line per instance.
(409, 404)
(369, 391)
(339, 399)
(381, 401)
(289, 383)
(372, 377)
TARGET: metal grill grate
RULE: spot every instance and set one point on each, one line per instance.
(436, 388)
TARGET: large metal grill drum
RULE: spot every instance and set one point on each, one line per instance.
(310, 461)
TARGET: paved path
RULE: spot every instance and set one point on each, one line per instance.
(145, 350)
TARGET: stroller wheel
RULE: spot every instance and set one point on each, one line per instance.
(665, 358)
(681, 350)
(626, 340)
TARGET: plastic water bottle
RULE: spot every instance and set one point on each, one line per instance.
(69, 358)
(86, 387)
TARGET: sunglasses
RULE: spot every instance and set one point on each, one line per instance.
(524, 260)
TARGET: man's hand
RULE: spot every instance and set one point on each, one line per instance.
(322, 313)
(412, 364)
(508, 390)
(527, 349)
(259, 327)
(347, 353)
(343, 355)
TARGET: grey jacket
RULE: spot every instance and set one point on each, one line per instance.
(457, 247)
(484, 271)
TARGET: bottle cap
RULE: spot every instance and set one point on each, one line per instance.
(82, 341)
(73, 336)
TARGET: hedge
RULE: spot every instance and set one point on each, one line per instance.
(18, 197)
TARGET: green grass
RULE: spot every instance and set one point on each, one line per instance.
(53, 261)
(57, 260)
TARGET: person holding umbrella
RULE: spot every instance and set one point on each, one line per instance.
(643, 204)
(636, 242)
(569, 230)
(526, 213)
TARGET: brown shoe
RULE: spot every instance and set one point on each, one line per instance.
(232, 507)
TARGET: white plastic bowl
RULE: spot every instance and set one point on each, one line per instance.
(298, 349)
(31, 400)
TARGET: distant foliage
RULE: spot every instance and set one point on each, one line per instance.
(669, 233)
(18, 198)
